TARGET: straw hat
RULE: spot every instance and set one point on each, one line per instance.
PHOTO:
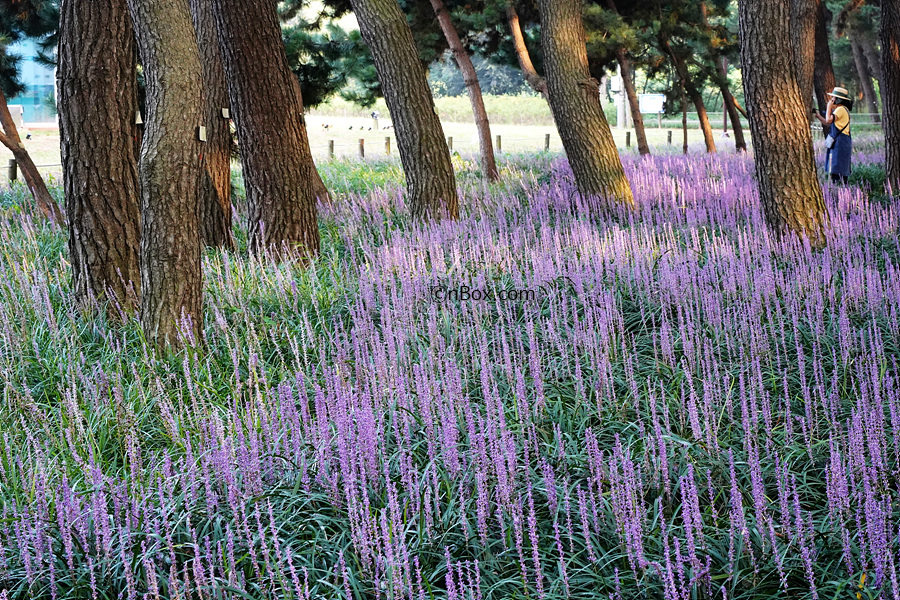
(841, 93)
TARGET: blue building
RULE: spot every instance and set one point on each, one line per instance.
(40, 84)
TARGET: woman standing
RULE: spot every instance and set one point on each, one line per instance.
(839, 144)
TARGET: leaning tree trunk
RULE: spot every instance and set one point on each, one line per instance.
(824, 69)
(864, 75)
(695, 96)
(215, 186)
(803, 23)
(282, 182)
(631, 94)
(731, 106)
(575, 103)
(785, 162)
(9, 137)
(97, 92)
(171, 278)
(534, 81)
(627, 73)
(470, 78)
(420, 137)
(890, 89)
(873, 58)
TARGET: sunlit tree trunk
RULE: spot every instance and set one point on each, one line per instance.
(575, 102)
(423, 150)
(785, 163)
(470, 78)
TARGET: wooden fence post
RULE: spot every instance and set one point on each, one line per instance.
(330, 148)
(362, 148)
(547, 142)
(13, 170)
(387, 146)
(499, 144)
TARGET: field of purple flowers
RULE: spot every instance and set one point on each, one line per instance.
(543, 400)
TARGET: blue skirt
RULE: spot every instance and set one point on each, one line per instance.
(837, 159)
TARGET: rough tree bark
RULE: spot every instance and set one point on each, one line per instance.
(473, 88)
(575, 103)
(785, 163)
(890, 88)
(864, 76)
(9, 137)
(215, 187)
(423, 151)
(171, 278)
(97, 100)
(824, 80)
(695, 96)
(281, 178)
(535, 81)
(803, 24)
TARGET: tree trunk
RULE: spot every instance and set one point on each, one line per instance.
(695, 96)
(535, 81)
(470, 78)
(865, 78)
(420, 137)
(631, 94)
(872, 57)
(890, 89)
(731, 107)
(171, 277)
(575, 103)
(97, 92)
(215, 185)
(824, 69)
(627, 73)
(785, 163)
(803, 24)
(282, 182)
(9, 137)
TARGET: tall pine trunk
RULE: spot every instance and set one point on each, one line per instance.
(534, 81)
(627, 72)
(631, 94)
(281, 178)
(695, 96)
(97, 91)
(890, 88)
(824, 80)
(9, 137)
(470, 78)
(575, 103)
(171, 276)
(420, 138)
(785, 162)
(864, 76)
(803, 23)
(215, 187)
(731, 106)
